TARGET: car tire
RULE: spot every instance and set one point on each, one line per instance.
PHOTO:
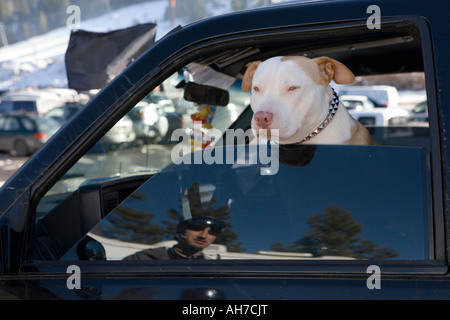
(20, 149)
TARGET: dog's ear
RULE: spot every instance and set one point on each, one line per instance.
(331, 69)
(248, 76)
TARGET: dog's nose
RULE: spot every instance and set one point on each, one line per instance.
(263, 119)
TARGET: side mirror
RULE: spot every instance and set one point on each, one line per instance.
(90, 249)
(203, 94)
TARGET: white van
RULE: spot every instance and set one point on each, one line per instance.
(381, 117)
(386, 95)
(29, 101)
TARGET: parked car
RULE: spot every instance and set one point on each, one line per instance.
(149, 123)
(29, 101)
(358, 103)
(22, 134)
(419, 113)
(382, 117)
(296, 221)
(169, 118)
(63, 113)
(121, 134)
(385, 96)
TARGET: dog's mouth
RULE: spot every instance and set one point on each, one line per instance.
(263, 133)
(268, 133)
(278, 135)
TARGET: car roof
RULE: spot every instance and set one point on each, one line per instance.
(369, 50)
(19, 98)
(353, 97)
(21, 114)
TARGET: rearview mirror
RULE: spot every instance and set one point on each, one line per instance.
(203, 94)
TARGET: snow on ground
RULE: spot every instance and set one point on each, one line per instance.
(39, 61)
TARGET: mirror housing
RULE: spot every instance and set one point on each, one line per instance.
(90, 249)
(204, 94)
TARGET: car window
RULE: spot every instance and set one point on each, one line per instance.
(186, 150)
(28, 124)
(11, 124)
(6, 106)
(142, 140)
(56, 113)
(301, 211)
(140, 145)
(46, 123)
(27, 106)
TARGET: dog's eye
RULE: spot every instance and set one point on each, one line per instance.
(256, 89)
(293, 88)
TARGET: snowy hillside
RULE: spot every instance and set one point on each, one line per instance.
(39, 61)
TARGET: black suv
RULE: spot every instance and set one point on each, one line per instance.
(283, 221)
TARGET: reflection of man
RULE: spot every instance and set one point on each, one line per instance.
(192, 235)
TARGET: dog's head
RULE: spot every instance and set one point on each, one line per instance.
(291, 93)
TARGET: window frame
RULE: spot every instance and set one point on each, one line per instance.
(326, 268)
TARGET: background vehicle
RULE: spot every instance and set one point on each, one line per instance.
(419, 113)
(302, 221)
(381, 117)
(29, 101)
(22, 134)
(149, 123)
(358, 103)
(387, 96)
(121, 134)
(63, 113)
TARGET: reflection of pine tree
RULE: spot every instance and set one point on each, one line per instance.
(335, 233)
(128, 224)
(222, 213)
(132, 225)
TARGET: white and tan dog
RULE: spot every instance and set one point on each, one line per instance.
(292, 94)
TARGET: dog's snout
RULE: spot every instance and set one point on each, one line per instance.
(263, 119)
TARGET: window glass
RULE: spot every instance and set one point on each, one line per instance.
(27, 106)
(12, 124)
(144, 138)
(28, 124)
(137, 147)
(371, 203)
(56, 113)
(6, 106)
(3, 121)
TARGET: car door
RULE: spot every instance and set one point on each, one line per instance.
(302, 222)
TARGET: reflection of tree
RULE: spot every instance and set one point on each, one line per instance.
(222, 213)
(132, 225)
(335, 233)
(128, 224)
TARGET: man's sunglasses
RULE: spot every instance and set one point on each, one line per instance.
(200, 223)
